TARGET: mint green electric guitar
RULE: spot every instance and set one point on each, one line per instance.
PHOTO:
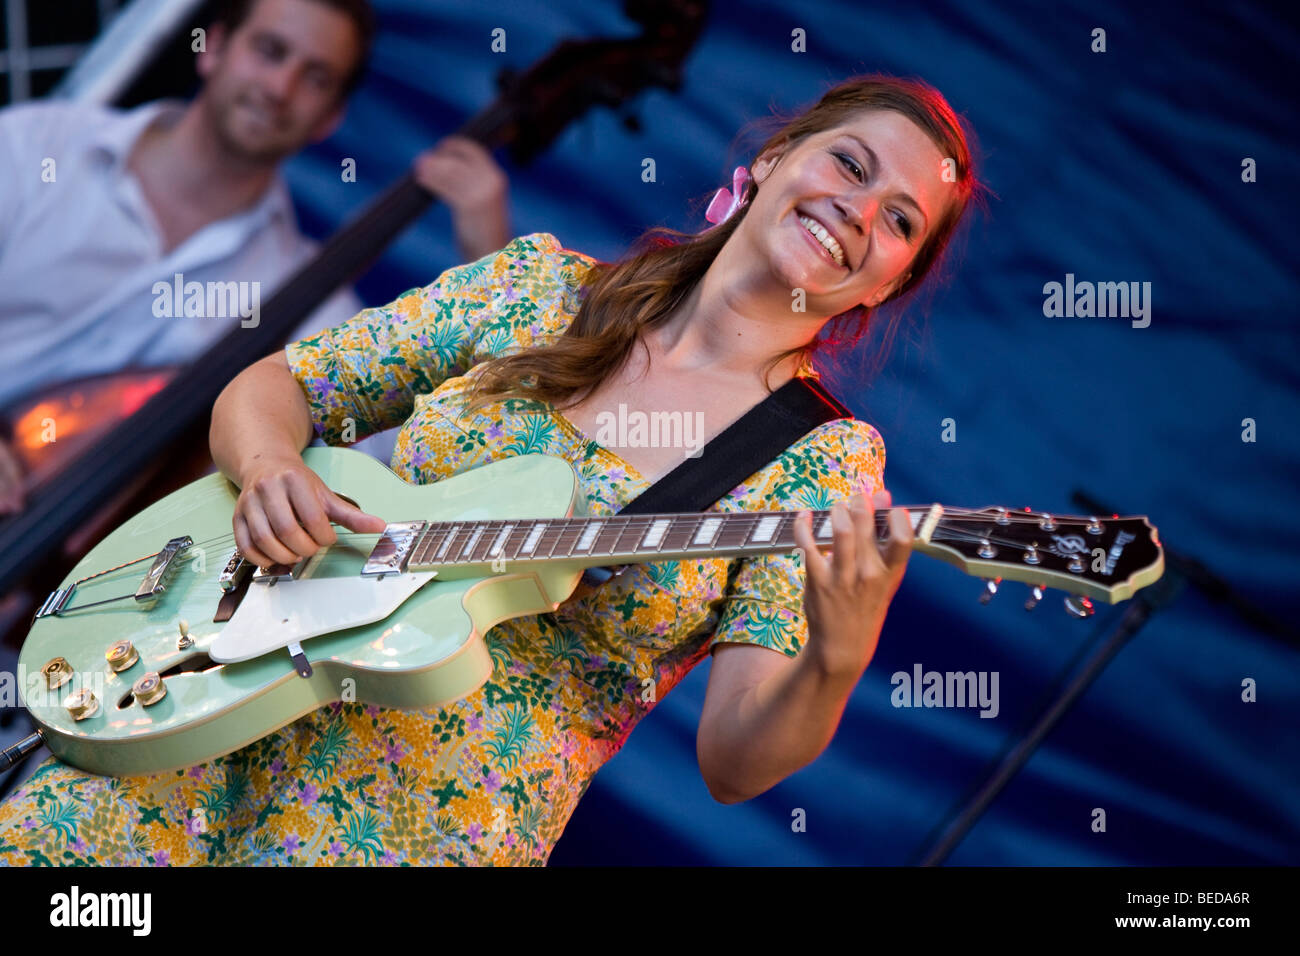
(164, 649)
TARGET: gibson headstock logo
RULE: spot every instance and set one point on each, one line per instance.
(1116, 549)
(1065, 545)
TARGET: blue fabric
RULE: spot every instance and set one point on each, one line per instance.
(1115, 166)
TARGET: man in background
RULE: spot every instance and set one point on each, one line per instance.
(100, 204)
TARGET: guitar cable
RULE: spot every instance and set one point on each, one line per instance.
(11, 756)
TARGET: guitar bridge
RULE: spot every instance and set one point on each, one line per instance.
(152, 585)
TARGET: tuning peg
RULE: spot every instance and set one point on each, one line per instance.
(990, 589)
(1035, 595)
(1078, 605)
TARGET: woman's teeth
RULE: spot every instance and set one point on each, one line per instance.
(825, 238)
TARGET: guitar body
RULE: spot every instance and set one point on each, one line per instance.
(425, 647)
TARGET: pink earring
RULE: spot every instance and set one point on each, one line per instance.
(725, 204)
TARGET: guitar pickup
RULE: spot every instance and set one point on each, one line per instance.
(280, 572)
(236, 569)
(393, 549)
(163, 563)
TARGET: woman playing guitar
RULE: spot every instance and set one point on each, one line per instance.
(533, 349)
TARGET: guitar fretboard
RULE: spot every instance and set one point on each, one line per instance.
(614, 538)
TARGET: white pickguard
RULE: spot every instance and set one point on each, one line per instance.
(274, 616)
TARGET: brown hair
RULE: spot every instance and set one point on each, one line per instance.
(624, 299)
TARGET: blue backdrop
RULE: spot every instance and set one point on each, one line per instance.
(1117, 166)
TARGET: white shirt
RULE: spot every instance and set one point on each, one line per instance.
(80, 255)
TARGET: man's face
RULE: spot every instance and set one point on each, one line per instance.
(275, 84)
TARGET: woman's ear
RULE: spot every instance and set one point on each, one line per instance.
(889, 290)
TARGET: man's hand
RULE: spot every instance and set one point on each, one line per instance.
(464, 175)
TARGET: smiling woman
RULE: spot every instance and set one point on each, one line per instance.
(528, 350)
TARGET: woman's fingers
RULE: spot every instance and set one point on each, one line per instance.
(244, 542)
(352, 517)
(284, 522)
(265, 542)
(815, 564)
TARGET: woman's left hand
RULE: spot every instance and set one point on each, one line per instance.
(847, 595)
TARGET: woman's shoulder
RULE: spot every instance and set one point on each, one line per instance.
(539, 258)
(833, 460)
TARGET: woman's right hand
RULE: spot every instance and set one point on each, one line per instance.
(284, 512)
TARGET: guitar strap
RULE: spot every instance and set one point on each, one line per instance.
(747, 445)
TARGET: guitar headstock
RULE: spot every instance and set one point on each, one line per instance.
(1106, 559)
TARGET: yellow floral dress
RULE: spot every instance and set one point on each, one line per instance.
(494, 777)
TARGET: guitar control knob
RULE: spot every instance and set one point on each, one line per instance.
(57, 672)
(1078, 605)
(82, 704)
(121, 655)
(990, 589)
(185, 642)
(149, 689)
(1035, 596)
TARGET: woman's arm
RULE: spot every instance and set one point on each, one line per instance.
(262, 413)
(260, 424)
(767, 715)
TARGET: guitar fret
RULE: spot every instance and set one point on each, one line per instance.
(706, 532)
(451, 548)
(559, 530)
(764, 529)
(653, 537)
(529, 545)
(518, 536)
(735, 531)
(489, 530)
(678, 534)
(498, 541)
(590, 531)
(467, 552)
(610, 531)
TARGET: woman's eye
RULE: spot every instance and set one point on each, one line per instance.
(848, 163)
(904, 225)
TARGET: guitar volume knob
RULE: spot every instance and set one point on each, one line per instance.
(121, 655)
(82, 704)
(149, 689)
(57, 672)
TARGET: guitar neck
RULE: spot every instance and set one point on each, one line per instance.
(623, 539)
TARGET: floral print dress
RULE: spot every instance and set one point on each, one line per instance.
(494, 777)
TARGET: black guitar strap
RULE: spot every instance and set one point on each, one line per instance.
(751, 442)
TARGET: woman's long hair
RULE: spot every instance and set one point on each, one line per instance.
(624, 299)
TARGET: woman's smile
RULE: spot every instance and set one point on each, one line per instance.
(817, 244)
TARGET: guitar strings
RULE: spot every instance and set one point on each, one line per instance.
(942, 532)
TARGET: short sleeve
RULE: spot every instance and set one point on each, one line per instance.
(366, 372)
(763, 601)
